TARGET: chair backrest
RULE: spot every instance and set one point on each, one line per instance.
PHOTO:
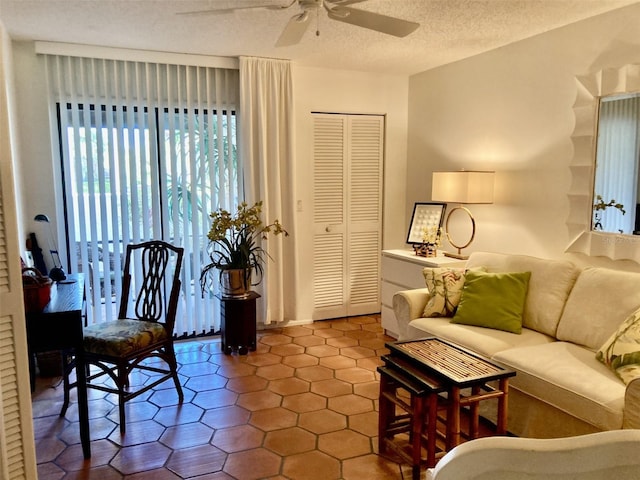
(151, 275)
(611, 454)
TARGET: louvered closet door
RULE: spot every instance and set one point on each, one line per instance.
(348, 152)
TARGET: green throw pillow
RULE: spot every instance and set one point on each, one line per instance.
(493, 300)
(621, 352)
(445, 286)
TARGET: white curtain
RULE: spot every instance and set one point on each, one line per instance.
(146, 151)
(267, 151)
(617, 161)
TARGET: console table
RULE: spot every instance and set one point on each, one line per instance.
(59, 327)
(238, 323)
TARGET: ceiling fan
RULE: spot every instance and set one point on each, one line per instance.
(336, 10)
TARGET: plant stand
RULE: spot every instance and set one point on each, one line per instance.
(238, 323)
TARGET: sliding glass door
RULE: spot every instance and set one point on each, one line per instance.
(134, 171)
(135, 176)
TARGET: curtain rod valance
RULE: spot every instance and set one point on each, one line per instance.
(81, 79)
(124, 54)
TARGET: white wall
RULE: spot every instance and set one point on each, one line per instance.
(314, 90)
(319, 90)
(510, 110)
(35, 189)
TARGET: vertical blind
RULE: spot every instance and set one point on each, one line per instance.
(146, 151)
(617, 161)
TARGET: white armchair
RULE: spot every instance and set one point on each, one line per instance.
(613, 454)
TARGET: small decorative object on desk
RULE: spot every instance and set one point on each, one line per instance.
(430, 242)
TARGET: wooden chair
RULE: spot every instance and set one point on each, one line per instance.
(144, 329)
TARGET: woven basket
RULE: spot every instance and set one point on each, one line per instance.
(37, 290)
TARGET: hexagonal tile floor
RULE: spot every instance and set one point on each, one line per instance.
(302, 406)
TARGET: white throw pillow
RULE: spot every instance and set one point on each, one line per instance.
(621, 352)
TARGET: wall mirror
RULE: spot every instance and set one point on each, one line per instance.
(615, 189)
(608, 238)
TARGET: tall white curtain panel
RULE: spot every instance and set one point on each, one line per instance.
(144, 151)
(266, 150)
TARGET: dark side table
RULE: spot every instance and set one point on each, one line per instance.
(238, 323)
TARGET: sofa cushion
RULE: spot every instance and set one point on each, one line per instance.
(549, 285)
(621, 352)
(493, 300)
(568, 377)
(600, 301)
(445, 287)
(484, 341)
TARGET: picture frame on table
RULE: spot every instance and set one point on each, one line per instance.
(425, 215)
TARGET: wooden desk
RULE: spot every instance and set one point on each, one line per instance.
(59, 327)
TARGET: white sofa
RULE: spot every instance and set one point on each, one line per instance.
(611, 454)
(560, 389)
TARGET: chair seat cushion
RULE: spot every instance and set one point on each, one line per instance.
(122, 337)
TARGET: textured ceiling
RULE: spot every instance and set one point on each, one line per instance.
(450, 29)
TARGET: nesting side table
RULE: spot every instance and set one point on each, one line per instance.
(238, 323)
(433, 374)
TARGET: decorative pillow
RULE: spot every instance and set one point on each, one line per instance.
(493, 300)
(621, 352)
(445, 287)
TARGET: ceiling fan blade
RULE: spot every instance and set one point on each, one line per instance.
(215, 11)
(373, 21)
(294, 31)
(343, 3)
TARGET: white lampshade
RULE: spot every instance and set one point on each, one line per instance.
(462, 187)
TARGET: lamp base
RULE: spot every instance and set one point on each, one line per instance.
(459, 256)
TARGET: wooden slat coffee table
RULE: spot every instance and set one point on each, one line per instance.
(462, 374)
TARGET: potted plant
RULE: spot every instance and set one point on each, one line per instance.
(235, 250)
(598, 209)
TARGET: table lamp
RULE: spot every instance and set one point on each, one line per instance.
(462, 187)
(56, 273)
